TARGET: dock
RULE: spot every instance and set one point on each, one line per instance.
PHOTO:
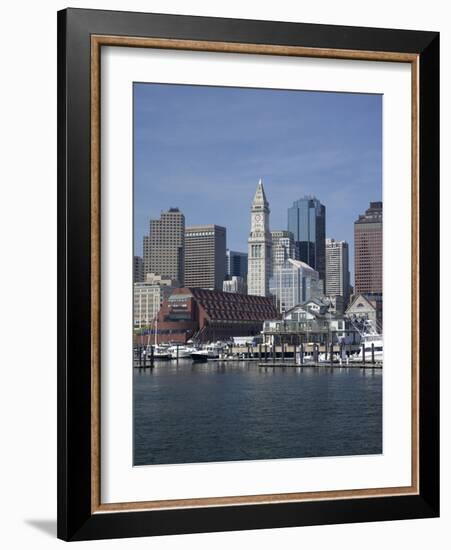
(283, 355)
(351, 365)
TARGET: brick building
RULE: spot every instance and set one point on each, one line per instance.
(368, 241)
(211, 315)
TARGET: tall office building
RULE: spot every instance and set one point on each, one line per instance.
(138, 269)
(205, 256)
(236, 264)
(368, 250)
(307, 222)
(293, 283)
(260, 245)
(283, 248)
(164, 247)
(337, 269)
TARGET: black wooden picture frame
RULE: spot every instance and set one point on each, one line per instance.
(77, 519)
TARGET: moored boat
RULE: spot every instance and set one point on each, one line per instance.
(161, 353)
(368, 343)
(181, 352)
(211, 351)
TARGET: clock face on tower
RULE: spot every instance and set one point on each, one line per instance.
(258, 218)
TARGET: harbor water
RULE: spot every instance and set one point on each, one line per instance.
(218, 411)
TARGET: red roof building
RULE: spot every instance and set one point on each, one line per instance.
(211, 315)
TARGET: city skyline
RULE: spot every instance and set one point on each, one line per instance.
(331, 149)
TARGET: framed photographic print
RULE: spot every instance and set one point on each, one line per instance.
(248, 274)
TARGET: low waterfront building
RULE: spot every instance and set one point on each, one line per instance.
(336, 303)
(364, 308)
(235, 284)
(335, 323)
(148, 297)
(293, 283)
(307, 323)
(326, 304)
(211, 315)
(317, 305)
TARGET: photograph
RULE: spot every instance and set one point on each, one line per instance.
(257, 274)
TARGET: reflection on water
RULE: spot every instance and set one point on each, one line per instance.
(212, 412)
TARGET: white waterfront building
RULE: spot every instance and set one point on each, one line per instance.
(294, 283)
(260, 245)
(148, 297)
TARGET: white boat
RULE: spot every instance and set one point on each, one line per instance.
(370, 341)
(181, 352)
(367, 342)
(160, 353)
(323, 359)
(210, 351)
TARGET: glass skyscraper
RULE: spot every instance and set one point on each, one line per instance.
(293, 283)
(307, 222)
(236, 264)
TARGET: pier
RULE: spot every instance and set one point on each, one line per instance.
(282, 355)
(350, 365)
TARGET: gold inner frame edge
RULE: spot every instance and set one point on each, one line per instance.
(97, 41)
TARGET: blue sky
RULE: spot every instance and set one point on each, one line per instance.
(203, 149)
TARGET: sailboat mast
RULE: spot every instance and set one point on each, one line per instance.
(156, 320)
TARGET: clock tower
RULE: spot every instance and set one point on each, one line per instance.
(260, 244)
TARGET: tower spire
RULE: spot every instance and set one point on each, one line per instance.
(260, 196)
